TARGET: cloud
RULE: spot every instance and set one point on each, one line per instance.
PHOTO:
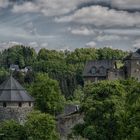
(126, 4)
(128, 32)
(37, 46)
(30, 29)
(48, 7)
(6, 45)
(91, 44)
(102, 38)
(25, 8)
(62, 7)
(102, 16)
(4, 3)
(136, 44)
(81, 31)
(44, 45)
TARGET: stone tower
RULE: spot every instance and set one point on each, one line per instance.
(15, 102)
(132, 65)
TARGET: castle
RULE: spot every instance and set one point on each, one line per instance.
(97, 70)
(15, 102)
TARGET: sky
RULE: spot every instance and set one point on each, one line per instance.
(70, 24)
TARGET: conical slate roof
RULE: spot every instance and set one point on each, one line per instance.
(12, 91)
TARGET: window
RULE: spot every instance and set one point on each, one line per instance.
(102, 70)
(93, 70)
(4, 104)
(138, 63)
(29, 103)
(20, 104)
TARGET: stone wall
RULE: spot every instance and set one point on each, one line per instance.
(66, 123)
(116, 74)
(13, 111)
(133, 69)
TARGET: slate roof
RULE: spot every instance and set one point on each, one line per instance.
(12, 91)
(107, 64)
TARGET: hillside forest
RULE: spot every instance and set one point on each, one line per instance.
(111, 108)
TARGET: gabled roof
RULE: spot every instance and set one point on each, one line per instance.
(12, 91)
(106, 64)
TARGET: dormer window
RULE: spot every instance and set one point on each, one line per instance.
(102, 70)
(93, 70)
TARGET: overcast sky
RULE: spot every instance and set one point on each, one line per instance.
(70, 24)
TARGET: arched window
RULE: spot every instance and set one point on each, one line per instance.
(20, 104)
(102, 70)
(93, 70)
(4, 104)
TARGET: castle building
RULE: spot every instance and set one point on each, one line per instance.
(15, 102)
(97, 70)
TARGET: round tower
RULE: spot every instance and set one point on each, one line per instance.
(15, 102)
(132, 65)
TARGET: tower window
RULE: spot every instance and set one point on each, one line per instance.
(4, 104)
(93, 70)
(138, 62)
(20, 104)
(29, 103)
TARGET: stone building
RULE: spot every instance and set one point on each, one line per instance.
(97, 70)
(15, 102)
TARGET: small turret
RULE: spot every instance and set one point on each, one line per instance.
(132, 65)
(15, 102)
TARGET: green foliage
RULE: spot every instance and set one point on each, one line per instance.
(20, 55)
(82, 55)
(111, 111)
(11, 130)
(78, 95)
(102, 105)
(65, 67)
(42, 54)
(108, 53)
(47, 94)
(3, 74)
(41, 126)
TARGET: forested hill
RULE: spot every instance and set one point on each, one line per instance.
(65, 67)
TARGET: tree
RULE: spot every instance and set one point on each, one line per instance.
(78, 95)
(41, 126)
(38, 126)
(132, 111)
(20, 55)
(11, 130)
(42, 54)
(103, 105)
(3, 74)
(47, 94)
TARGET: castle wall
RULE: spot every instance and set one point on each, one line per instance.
(134, 69)
(116, 74)
(66, 123)
(13, 111)
(94, 79)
